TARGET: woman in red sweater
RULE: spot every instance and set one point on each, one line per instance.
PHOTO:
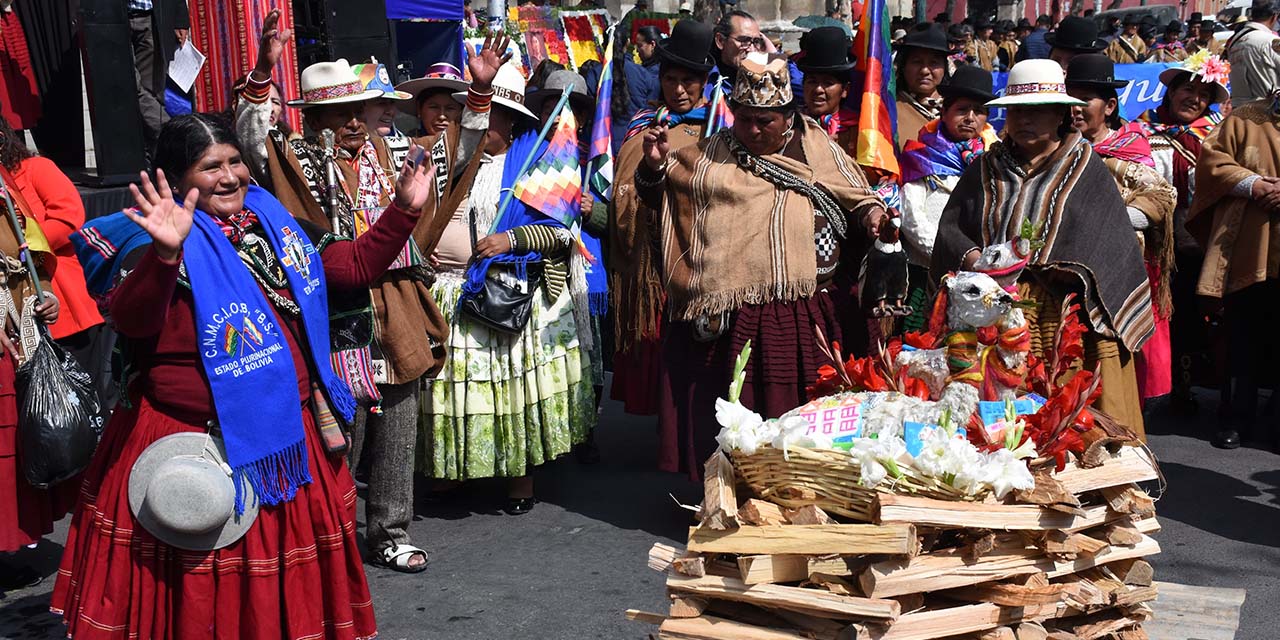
(296, 572)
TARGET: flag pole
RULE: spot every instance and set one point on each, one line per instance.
(528, 162)
(716, 93)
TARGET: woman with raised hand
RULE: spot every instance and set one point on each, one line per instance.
(222, 307)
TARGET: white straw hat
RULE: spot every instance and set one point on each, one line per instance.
(1035, 82)
(440, 75)
(508, 90)
(181, 491)
(332, 83)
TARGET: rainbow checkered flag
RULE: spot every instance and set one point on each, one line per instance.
(721, 117)
(877, 106)
(553, 185)
(600, 160)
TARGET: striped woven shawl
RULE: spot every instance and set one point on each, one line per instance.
(1072, 203)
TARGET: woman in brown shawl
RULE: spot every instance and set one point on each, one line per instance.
(1233, 216)
(752, 220)
(635, 290)
(1045, 177)
(1148, 199)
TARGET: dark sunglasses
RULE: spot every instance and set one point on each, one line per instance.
(747, 41)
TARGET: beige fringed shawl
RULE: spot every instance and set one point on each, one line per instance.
(1240, 237)
(730, 237)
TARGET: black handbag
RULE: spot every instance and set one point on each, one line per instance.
(505, 304)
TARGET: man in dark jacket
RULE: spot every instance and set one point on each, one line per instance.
(158, 28)
(1034, 45)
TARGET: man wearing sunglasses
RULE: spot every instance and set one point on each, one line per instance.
(736, 35)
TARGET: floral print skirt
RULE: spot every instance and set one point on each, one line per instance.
(505, 403)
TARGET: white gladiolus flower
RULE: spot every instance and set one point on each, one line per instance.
(740, 427)
(878, 458)
(1005, 472)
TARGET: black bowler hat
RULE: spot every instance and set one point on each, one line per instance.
(929, 37)
(1173, 26)
(983, 23)
(1207, 25)
(968, 81)
(1132, 18)
(958, 33)
(1195, 17)
(688, 46)
(1093, 70)
(825, 50)
(1076, 34)
(1024, 23)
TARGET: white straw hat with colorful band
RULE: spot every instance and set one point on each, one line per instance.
(373, 75)
(440, 75)
(332, 83)
(508, 90)
(1034, 82)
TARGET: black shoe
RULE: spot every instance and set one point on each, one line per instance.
(18, 578)
(1227, 439)
(519, 506)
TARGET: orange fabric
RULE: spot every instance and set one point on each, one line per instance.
(56, 206)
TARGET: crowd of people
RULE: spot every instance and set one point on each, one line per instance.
(436, 325)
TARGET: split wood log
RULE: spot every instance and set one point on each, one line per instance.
(662, 555)
(1122, 533)
(1030, 631)
(1136, 572)
(834, 584)
(1129, 499)
(1099, 446)
(944, 623)
(947, 570)
(1010, 595)
(1133, 633)
(891, 509)
(1048, 492)
(687, 607)
(713, 628)
(910, 601)
(1129, 466)
(761, 512)
(719, 502)
(809, 514)
(846, 539)
(765, 569)
(808, 601)
(695, 566)
(1074, 544)
(1098, 625)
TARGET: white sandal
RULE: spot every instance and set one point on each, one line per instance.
(397, 556)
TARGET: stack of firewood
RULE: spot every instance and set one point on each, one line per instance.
(1063, 561)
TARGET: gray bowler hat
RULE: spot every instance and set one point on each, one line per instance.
(181, 492)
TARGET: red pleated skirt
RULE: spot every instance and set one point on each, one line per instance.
(635, 377)
(295, 575)
(784, 360)
(26, 513)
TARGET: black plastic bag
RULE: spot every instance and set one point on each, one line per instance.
(57, 403)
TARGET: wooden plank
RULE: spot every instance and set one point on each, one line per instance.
(1129, 466)
(1129, 499)
(808, 601)
(662, 555)
(821, 539)
(767, 569)
(948, 570)
(761, 512)
(944, 623)
(1010, 595)
(1206, 613)
(687, 606)
(695, 566)
(719, 502)
(809, 514)
(713, 628)
(891, 509)
(646, 617)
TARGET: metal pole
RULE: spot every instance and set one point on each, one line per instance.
(528, 162)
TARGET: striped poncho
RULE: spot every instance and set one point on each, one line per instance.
(1072, 203)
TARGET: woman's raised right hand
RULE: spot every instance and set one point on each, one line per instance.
(167, 222)
(656, 146)
(271, 45)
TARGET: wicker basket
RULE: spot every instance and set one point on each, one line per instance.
(829, 479)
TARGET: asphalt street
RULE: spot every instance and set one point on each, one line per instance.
(571, 567)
